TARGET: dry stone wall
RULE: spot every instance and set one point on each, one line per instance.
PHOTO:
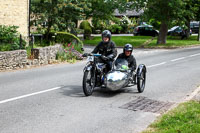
(46, 55)
(11, 60)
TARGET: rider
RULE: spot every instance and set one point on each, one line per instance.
(107, 49)
(127, 55)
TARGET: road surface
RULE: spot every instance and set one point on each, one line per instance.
(50, 99)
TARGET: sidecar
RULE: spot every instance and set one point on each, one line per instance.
(120, 76)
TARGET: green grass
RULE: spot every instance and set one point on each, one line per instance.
(136, 41)
(176, 42)
(139, 41)
(183, 119)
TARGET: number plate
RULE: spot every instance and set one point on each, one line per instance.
(90, 58)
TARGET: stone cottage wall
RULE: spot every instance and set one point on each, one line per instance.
(15, 12)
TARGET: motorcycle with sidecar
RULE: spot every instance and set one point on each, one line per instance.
(120, 76)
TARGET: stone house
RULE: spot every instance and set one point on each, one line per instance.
(15, 12)
(129, 14)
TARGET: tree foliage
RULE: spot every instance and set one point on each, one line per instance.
(167, 12)
(101, 12)
(59, 15)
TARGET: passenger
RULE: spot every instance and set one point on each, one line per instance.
(127, 55)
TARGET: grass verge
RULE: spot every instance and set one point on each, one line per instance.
(185, 118)
(136, 41)
(147, 41)
(174, 42)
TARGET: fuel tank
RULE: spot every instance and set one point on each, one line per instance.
(116, 80)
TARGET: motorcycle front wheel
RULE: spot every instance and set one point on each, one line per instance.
(88, 83)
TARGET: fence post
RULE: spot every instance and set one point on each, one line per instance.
(20, 41)
(32, 39)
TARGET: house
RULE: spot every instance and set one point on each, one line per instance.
(128, 13)
(16, 12)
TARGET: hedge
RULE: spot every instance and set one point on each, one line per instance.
(10, 38)
(65, 37)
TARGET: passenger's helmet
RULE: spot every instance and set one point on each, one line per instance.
(128, 47)
(106, 33)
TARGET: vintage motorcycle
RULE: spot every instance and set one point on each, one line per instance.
(120, 76)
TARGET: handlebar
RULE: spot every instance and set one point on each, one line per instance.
(91, 54)
(97, 55)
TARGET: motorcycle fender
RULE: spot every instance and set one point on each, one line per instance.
(87, 68)
(141, 67)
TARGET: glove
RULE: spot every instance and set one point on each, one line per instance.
(103, 57)
(124, 67)
(110, 57)
(86, 54)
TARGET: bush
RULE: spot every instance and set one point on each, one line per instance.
(10, 38)
(84, 24)
(72, 46)
(124, 25)
(115, 28)
(87, 33)
(71, 53)
(64, 37)
(87, 29)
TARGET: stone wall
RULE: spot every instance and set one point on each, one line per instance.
(46, 55)
(15, 12)
(11, 60)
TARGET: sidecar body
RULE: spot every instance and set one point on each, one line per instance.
(120, 76)
(116, 80)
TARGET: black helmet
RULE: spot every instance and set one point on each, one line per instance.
(128, 47)
(106, 33)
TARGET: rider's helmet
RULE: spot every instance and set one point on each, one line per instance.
(106, 33)
(128, 47)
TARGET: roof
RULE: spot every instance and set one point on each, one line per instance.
(145, 25)
(128, 13)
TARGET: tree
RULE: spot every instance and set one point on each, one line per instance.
(60, 15)
(103, 12)
(197, 16)
(164, 11)
(189, 11)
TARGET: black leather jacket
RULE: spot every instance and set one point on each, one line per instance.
(130, 59)
(106, 49)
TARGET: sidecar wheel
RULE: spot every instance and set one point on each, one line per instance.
(88, 83)
(141, 79)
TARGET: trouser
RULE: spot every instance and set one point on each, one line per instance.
(108, 64)
(132, 74)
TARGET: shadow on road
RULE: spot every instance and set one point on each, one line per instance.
(103, 92)
(72, 91)
(77, 91)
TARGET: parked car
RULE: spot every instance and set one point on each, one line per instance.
(145, 30)
(194, 27)
(176, 31)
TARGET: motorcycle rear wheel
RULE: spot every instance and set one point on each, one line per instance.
(141, 80)
(88, 83)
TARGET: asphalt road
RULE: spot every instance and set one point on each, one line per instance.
(50, 99)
